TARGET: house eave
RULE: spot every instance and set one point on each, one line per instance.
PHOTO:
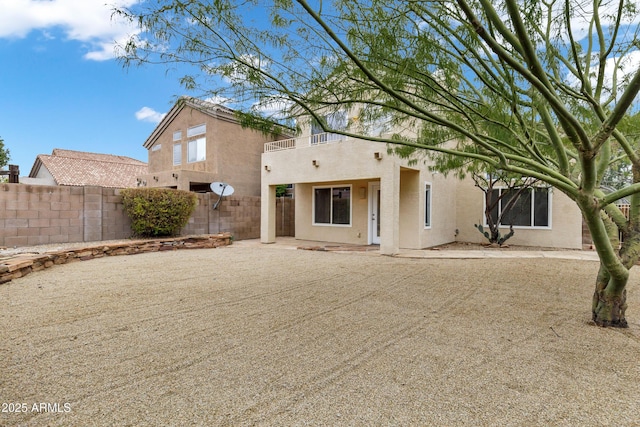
(213, 110)
(35, 168)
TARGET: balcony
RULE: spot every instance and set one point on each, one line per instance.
(303, 141)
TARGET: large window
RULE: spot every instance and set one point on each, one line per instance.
(196, 130)
(197, 150)
(336, 120)
(177, 154)
(332, 205)
(375, 121)
(531, 209)
(427, 205)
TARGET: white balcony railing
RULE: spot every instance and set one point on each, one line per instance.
(283, 144)
(325, 138)
(305, 141)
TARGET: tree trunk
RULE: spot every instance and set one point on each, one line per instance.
(609, 301)
(608, 307)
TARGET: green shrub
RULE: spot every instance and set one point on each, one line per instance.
(158, 211)
(281, 190)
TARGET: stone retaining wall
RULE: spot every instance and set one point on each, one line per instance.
(20, 265)
(38, 215)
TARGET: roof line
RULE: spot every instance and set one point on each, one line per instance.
(209, 108)
(106, 158)
(36, 166)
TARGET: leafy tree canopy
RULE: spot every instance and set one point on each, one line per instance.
(4, 154)
(542, 89)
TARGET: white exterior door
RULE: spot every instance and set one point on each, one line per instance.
(374, 213)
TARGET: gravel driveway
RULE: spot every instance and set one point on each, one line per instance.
(271, 336)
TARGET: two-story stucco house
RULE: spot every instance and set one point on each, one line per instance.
(351, 191)
(199, 142)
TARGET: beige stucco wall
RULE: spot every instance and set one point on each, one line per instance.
(565, 230)
(414, 233)
(444, 216)
(456, 205)
(356, 233)
(336, 162)
(355, 163)
(43, 177)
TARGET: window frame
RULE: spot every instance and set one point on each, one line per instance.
(532, 209)
(198, 142)
(379, 126)
(428, 205)
(179, 151)
(196, 130)
(338, 120)
(331, 211)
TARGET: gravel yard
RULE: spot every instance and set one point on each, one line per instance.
(271, 336)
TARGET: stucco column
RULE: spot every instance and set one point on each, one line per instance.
(268, 213)
(390, 211)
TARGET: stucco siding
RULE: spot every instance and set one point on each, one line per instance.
(456, 205)
(443, 212)
(346, 160)
(355, 233)
(565, 230)
(44, 177)
(355, 163)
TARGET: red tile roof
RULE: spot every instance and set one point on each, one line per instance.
(79, 168)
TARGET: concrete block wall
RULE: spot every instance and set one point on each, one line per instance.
(242, 215)
(199, 221)
(92, 214)
(36, 215)
(115, 222)
(239, 216)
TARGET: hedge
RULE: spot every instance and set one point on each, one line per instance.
(158, 211)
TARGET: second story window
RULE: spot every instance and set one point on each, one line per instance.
(196, 130)
(177, 154)
(197, 150)
(336, 120)
(177, 135)
(375, 121)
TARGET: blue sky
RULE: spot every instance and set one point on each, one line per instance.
(61, 87)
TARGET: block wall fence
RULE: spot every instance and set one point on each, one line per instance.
(38, 215)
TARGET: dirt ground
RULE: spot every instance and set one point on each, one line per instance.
(269, 336)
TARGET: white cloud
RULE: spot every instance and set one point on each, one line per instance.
(626, 67)
(220, 100)
(146, 114)
(87, 21)
(617, 72)
(102, 51)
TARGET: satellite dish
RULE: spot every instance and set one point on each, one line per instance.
(221, 189)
